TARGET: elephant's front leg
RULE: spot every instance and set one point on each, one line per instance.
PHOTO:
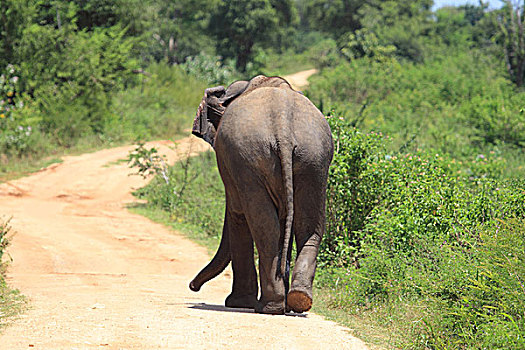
(245, 288)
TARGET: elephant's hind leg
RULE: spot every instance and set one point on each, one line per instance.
(245, 288)
(308, 227)
(263, 221)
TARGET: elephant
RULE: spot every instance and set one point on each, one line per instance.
(273, 150)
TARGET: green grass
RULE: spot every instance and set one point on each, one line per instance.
(23, 167)
(190, 231)
(375, 328)
(115, 162)
(386, 325)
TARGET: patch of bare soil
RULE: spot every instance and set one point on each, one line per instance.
(100, 277)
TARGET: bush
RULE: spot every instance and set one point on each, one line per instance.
(408, 229)
(5, 228)
(161, 105)
(10, 299)
(17, 131)
(324, 54)
(485, 296)
(210, 69)
(352, 194)
(498, 118)
(458, 104)
(191, 191)
(87, 69)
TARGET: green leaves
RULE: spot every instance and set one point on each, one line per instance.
(191, 191)
(364, 43)
(512, 23)
(458, 104)
(5, 228)
(240, 24)
(423, 230)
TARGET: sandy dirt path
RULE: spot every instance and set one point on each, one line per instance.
(100, 277)
(299, 80)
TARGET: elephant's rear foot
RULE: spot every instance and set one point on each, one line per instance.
(242, 301)
(272, 308)
(299, 301)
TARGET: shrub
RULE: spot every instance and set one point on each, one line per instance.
(369, 188)
(210, 69)
(5, 229)
(352, 194)
(419, 228)
(87, 69)
(161, 105)
(481, 292)
(498, 118)
(324, 53)
(191, 191)
(458, 104)
(16, 129)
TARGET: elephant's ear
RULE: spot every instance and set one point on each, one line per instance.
(202, 124)
(233, 91)
(214, 107)
(218, 98)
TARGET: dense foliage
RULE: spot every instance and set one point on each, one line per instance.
(425, 225)
(191, 191)
(426, 192)
(459, 104)
(430, 229)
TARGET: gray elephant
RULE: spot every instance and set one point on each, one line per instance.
(273, 149)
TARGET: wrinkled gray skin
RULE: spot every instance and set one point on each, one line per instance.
(273, 149)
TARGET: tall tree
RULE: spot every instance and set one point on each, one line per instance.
(179, 28)
(15, 16)
(402, 23)
(511, 23)
(238, 25)
(334, 17)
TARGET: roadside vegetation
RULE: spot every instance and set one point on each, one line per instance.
(10, 300)
(425, 234)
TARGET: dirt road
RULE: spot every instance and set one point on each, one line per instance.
(99, 277)
(300, 79)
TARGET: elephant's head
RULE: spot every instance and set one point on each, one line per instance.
(212, 107)
(216, 99)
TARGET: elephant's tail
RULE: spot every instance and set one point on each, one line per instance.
(219, 262)
(286, 150)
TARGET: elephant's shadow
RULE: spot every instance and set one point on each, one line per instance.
(222, 308)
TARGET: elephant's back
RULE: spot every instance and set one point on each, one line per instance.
(253, 126)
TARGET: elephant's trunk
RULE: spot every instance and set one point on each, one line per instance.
(219, 262)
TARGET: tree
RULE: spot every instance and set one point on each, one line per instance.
(512, 29)
(178, 29)
(238, 25)
(463, 26)
(15, 15)
(334, 17)
(402, 23)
